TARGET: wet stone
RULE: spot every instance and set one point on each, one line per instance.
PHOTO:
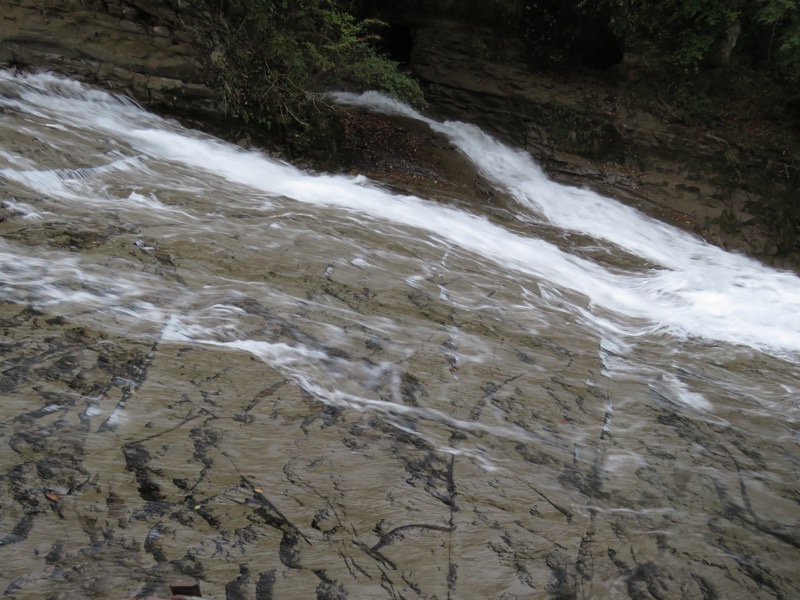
(277, 400)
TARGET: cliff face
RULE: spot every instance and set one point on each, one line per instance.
(589, 128)
(140, 47)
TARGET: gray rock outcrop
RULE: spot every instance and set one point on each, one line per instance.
(141, 48)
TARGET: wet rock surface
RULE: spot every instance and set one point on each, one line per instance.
(448, 435)
(139, 48)
(128, 466)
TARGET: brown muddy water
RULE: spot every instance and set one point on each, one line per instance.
(221, 370)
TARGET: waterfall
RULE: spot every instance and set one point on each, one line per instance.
(312, 383)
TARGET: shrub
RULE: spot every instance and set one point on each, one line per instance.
(273, 60)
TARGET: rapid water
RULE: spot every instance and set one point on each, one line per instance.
(220, 368)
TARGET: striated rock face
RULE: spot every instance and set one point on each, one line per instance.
(139, 47)
(593, 129)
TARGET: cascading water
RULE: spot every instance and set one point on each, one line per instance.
(219, 367)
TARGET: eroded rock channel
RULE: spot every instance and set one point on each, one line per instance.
(218, 369)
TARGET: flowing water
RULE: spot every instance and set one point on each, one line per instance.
(220, 369)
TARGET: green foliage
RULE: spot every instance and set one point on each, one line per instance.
(686, 33)
(682, 36)
(692, 34)
(776, 24)
(273, 60)
(378, 72)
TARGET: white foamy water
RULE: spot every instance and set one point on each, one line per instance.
(699, 290)
(696, 292)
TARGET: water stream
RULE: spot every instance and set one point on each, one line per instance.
(219, 368)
